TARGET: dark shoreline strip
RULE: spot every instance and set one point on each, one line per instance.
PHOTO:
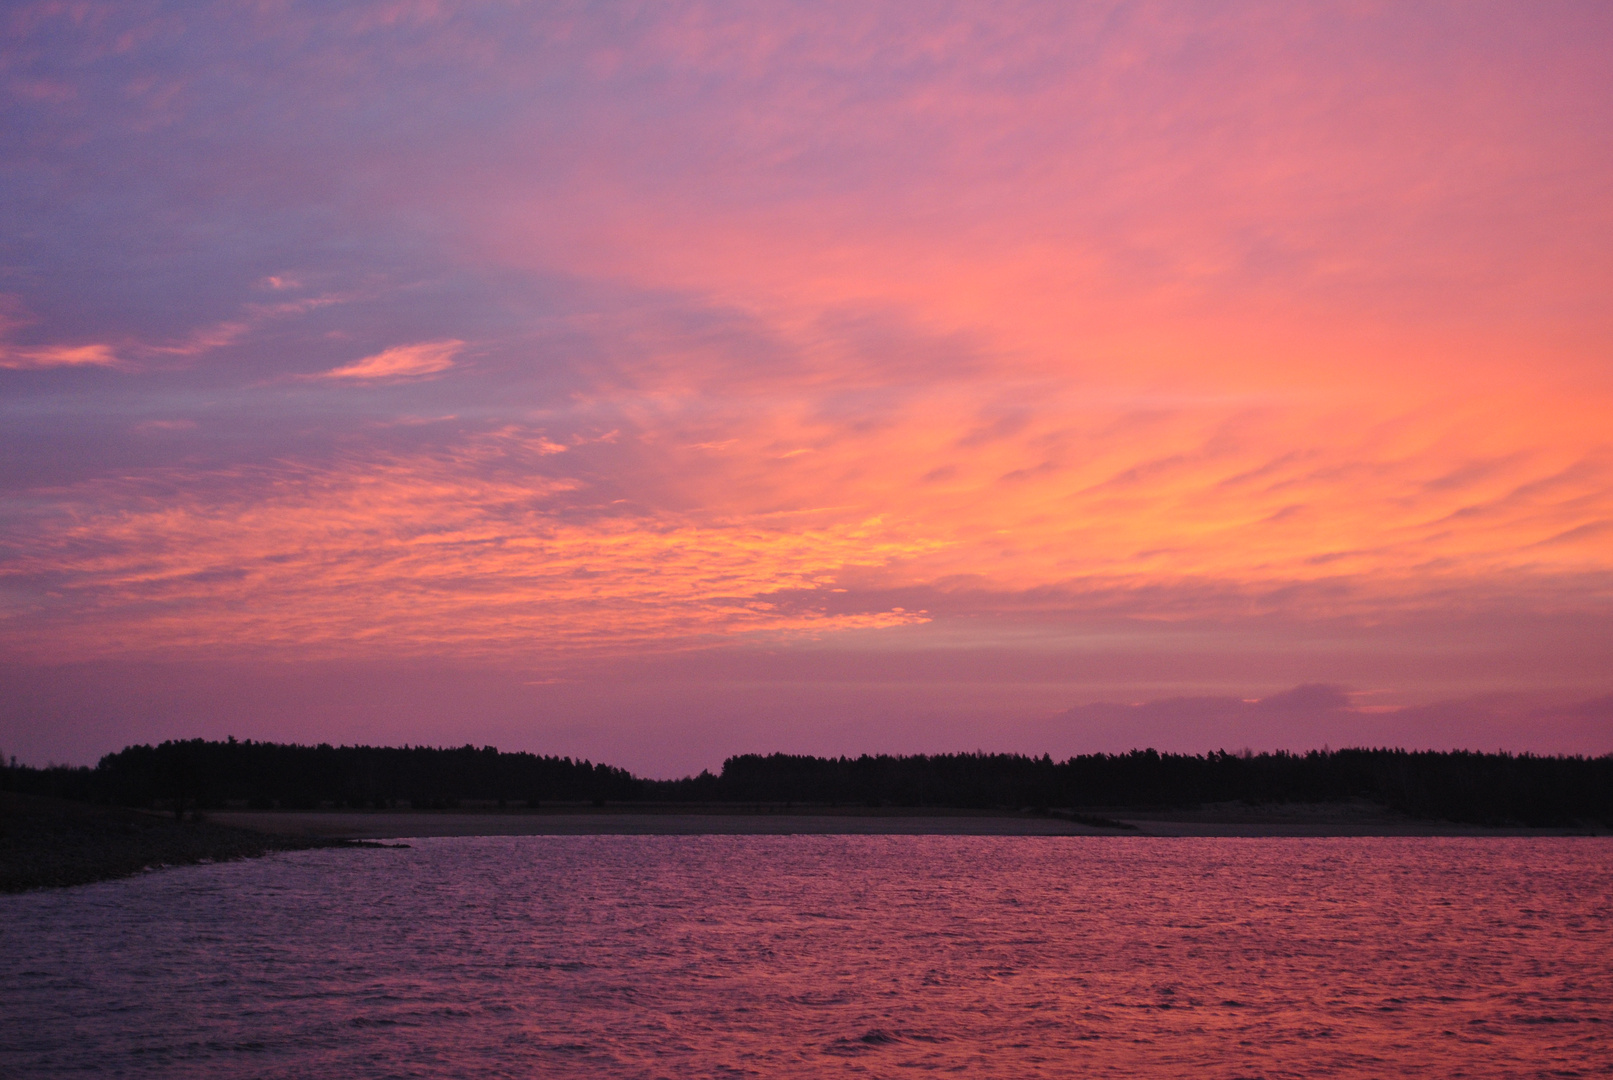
(50, 843)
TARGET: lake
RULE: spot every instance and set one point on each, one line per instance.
(812, 956)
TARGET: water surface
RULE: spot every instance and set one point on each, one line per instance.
(678, 956)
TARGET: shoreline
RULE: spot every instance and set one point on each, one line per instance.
(54, 843)
(1345, 821)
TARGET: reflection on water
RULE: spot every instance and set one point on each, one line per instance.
(650, 956)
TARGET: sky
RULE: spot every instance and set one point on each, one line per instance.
(657, 382)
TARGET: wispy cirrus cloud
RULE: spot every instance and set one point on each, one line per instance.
(133, 351)
(401, 362)
(479, 548)
(58, 356)
(541, 538)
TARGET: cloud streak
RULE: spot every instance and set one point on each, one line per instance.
(55, 356)
(402, 362)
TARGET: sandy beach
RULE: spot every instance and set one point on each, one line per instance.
(1340, 820)
(52, 842)
(382, 824)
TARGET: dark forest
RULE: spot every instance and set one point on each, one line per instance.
(1457, 786)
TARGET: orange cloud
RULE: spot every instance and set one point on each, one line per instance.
(402, 362)
(51, 356)
(1191, 510)
(421, 554)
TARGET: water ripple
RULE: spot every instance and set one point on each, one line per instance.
(822, 956)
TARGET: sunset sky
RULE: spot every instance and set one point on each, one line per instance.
(658, 382)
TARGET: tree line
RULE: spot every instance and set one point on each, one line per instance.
(1458, 786)
(203, 774)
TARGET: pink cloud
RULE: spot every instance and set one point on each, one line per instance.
(402, 362)
(53, 356)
